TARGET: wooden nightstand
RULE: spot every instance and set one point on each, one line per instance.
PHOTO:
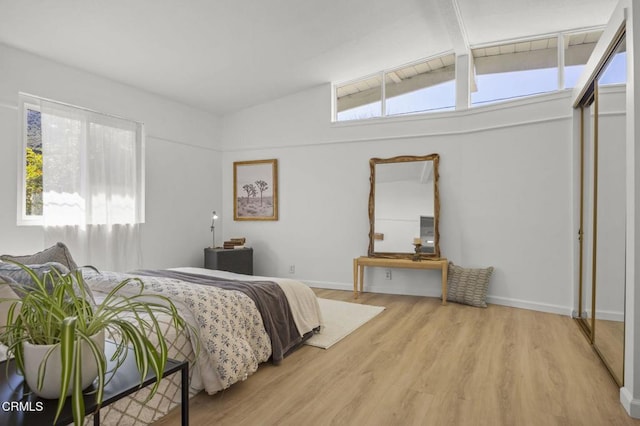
(239, 261)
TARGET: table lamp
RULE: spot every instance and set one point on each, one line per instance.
(214, 217)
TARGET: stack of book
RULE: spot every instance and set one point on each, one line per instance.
(234, 243)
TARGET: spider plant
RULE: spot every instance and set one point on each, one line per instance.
(57, 311)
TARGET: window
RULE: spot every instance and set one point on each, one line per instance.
(576, 54)
(79, 167)
(422, 87)
(359, 100)
(427, 85)
(33, 163)
(514, 70)
(616, 69)
(499, 73)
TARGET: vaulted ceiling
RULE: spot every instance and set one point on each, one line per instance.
(225, 55)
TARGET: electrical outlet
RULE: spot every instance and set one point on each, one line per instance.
(388, 274)
(292, 269)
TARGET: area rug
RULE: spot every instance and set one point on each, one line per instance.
(341, 319)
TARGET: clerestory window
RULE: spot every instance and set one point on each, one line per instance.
(578, 49)
(423, 86)
(498, 73)
(514, 70)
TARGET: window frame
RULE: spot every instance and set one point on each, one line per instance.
(23, 219)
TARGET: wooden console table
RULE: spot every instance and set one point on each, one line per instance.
(360, 262)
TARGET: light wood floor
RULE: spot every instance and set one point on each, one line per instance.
(420, 363)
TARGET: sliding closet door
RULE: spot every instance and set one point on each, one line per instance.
(611, 215)
(603, 210)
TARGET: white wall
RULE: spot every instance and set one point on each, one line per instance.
(505, 190)
(182, 160)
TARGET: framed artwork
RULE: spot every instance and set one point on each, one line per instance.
(255, 190)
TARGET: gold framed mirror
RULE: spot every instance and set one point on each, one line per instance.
(404, 207)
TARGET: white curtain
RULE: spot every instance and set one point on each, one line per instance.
(93, 185)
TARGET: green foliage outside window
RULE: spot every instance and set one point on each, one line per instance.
(34, 183)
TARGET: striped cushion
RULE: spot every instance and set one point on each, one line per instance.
(467, 285)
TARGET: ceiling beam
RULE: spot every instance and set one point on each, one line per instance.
(452, 18)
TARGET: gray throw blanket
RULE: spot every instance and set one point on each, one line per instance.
(268, 297)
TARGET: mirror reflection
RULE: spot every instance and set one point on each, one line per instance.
(403, 206)
(611, 216)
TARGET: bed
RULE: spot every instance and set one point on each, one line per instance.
(238, 320)
(235, 333)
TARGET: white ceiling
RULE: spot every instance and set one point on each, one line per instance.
(225, 55)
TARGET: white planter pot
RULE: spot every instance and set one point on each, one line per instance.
(34, 354)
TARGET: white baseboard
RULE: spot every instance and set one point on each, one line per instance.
(372, 288)
(631, 405)
(436, 292)
(532, 306)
